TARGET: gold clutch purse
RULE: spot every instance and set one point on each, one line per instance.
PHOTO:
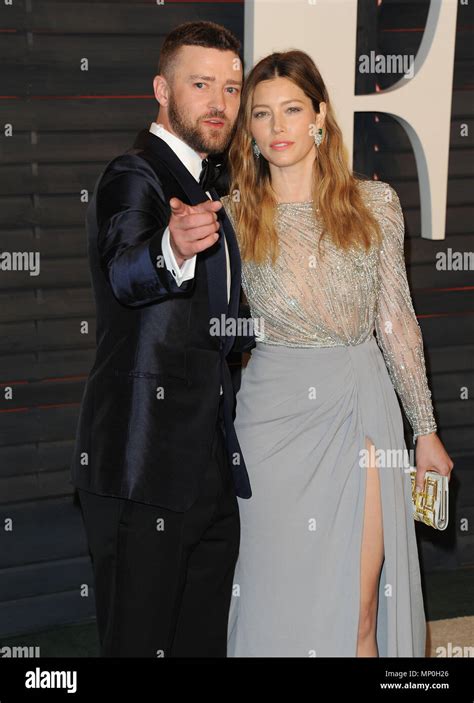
(431, 505)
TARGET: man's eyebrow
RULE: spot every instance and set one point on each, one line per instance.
(293, 100)
(229, 81)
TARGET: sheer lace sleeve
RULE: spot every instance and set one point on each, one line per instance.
(397, 329)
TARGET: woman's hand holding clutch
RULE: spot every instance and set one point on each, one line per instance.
(431, 456)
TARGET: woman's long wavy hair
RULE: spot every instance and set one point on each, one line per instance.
(335, 192)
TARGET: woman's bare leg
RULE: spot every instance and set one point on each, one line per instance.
(372, 554)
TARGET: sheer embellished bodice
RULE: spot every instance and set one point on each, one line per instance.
(324, 296)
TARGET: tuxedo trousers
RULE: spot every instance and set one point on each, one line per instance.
(163, 579)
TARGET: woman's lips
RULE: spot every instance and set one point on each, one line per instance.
(284, 145)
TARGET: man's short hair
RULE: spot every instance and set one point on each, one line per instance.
(200, 33)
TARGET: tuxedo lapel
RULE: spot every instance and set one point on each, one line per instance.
(235, 267)
(172, 172)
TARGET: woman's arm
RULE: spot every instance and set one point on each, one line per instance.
(399, 336)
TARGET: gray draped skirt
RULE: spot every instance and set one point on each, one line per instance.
(302, 418)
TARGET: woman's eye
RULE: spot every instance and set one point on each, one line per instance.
(258, 114)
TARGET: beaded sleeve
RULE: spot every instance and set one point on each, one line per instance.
(397, 329)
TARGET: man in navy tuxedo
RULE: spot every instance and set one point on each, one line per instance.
(157, 463)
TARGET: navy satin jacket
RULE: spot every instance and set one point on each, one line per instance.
(149, 409)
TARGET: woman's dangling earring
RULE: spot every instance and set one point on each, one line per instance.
(318, 137)
(255, 148)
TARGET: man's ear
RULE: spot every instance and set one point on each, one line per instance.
(161, 90)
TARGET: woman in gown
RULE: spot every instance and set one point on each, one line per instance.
(328, 562)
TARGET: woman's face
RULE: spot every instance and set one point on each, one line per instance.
(283, 121)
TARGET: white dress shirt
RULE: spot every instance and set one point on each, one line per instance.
(193, 162)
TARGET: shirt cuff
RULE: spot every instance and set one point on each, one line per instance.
(180, 274)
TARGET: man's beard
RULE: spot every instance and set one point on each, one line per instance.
(194, 137)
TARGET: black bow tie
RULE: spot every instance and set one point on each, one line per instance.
(209, 174)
